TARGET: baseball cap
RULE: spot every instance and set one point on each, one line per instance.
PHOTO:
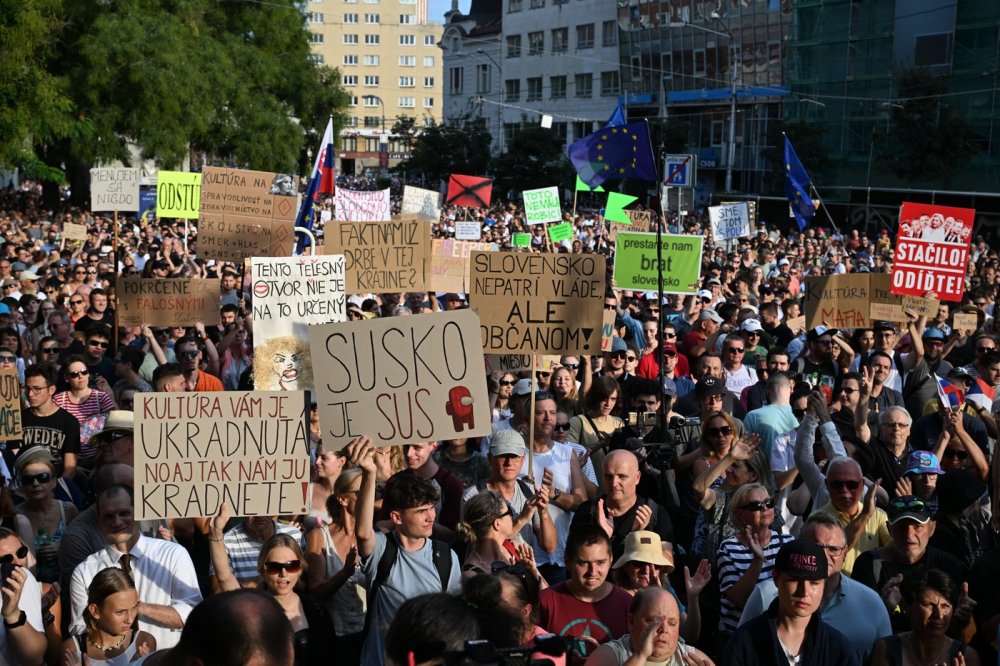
(9, 282)
(933, 334)
(960, 373)
(35, 454)
(29, 275)
(507, 442)
(704, 293)
(714, 281)
(783, 262)
(884, 326)
(618, 345)
(710, 315)
(17, 266)
(751, 325)
(908, 507)
(819, 332)
(522, 387)
(670, 347)
(923, 462)
(709, 386)
(802, 559)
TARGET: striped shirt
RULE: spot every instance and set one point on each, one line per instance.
(734, 560)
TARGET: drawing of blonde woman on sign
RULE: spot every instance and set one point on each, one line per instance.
(282, 364)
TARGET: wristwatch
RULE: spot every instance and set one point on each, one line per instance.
(555, 493)
(21, 619)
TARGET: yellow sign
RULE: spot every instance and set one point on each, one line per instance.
(178, 194)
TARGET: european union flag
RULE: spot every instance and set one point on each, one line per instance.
(797, 188)
(613, 153)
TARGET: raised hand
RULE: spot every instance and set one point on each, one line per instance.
(642, 517)
(891, 596)
(696, 583)
(361, 454)
(745, 447)
(603, 520)
(750, 539)
(219, 521)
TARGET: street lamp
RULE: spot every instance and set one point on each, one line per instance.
(499, 97)
(383, 143)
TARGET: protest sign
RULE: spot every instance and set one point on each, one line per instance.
(10, 405)
(538, 303)
(796, 324)
(470, 191)
(170, 302)
(194, 451)
(840, 301)
(932, 248)
(607, 330)
(361, 206)
(560, 232)
(965, 321)
(636, 264)
(73, 231)
(246, 214)
(381, 256)
(508, 362)
(114, 189)
(638, 220)
(401, 380)
(421, 202)
(468, 231)
(542, 205)
(449, 263)
(521, 240)
(730, 221)
(751, 209)
(178, 194)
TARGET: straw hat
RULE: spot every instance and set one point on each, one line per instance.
(644, 546)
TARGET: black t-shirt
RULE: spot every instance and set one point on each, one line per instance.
(58, 432)
(879, 462)
(659, 522)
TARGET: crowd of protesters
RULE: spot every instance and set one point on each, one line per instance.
(803, 495)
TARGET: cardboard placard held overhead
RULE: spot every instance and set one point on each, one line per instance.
(730, 220)
(178, 194)
(114, 189)
(542, 303)
(170, 302)
(932, 250)
(10, 405)
(855, 300)
(421, 202)
(401, 380)
(468, 230)
(448, 266)
(194, 451)
(75, 232)
(381, 257)
(639, 220)
(636, 262)
(542, 205)
(965, 321)
(361, 206)
(246, 214)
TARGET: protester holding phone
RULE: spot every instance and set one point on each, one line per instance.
(23, 637)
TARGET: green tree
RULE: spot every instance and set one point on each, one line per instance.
(535, 157)
(459, 146)
(807, 138)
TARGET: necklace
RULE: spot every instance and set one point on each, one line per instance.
(106, 650)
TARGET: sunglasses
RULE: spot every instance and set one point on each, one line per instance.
(631, 359)
(515, 569)
(31, 479)
(670, 336)
(984, 350)
(841, 485)
(543, 375)
(275, 568)
(716, 432)
(504, 382)
(759, 505)
(561, 427)
(50, 350)
(618, 355)
(571, 366)
(189, 354)
(610, 307)
(77, 302)
(97, 343)
(19, 554)
(848, 391)
(78, 374)
(7, 358)
(735, 350)
(914, 504)
(960, 454)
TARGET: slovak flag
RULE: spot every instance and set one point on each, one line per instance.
(321, 181)
(981, 393)
(950, 395)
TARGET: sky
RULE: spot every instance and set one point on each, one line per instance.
(437, 8)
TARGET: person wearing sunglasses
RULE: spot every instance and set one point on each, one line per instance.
(506, 382)
(24, 609)
(86, 404)
(614, 363)
(100, 361)
(488, 529)
(280, 565)
(189, 356)
(35, 471)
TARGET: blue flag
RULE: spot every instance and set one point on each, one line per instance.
(617, 118)
(613, 153)
(797, 188)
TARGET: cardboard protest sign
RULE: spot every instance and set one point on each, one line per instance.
(170, 302)
(560, 232)
(508, 362)
(965, 321)
(401, 380)
(113, 189)
(751, 209)
(468, 231)
(638, 220)
(381, 256)
(361, 206)
(73, 231)
(194, 451)
(521, 240)
(246, 214)
(449, 263)
(730, 220)
(607, 330)
(538, 303)
(10, 405)
(636, 262)
(932, 248)
(795, 324)
(542, 205)
(470, 191)
(840, 301)
(421, 202)
(178, 194)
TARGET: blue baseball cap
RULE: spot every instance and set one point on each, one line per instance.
(933, 334)
(923, 462)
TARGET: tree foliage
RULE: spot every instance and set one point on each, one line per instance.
(534, 158)
(807, 138)
(460, 146)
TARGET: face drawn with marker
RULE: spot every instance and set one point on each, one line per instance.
(287, 366)
(282, 364)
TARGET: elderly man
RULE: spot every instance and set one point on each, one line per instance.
(855, 610)
(884, 455)
(653, 624)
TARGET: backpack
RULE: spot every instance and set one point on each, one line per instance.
(442, 562)
(526, 488)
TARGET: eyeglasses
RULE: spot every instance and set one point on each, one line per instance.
(894, 424)
(848, 391)
(571, 366)
(759, 505)
(505, 382)
(561, 427)
(841, 485)
(49, 350)
(913, 504)
(619, 355)
(31, 479)
(7, 358)
(19, 554)
(275, 568)
(608, 306)
(670, 336)
(631, 359)
(78, 301)
(833, 550)
(515, 569)
(960, 454)
(543, 375)
(724, 431)
(98, 343)
(193, 353)
(36, 389)
(735, 350)
(824, 342)
(985, 350)
(78, 374)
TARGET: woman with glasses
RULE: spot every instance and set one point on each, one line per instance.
(280, 564)
(505, 389)
(9, 358)
(89, 405)
(112, 636)
(488, 529)
(333, 574)
(35, 471)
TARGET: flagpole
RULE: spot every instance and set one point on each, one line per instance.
(822, 204)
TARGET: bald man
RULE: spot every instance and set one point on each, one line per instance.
(621, 508)
(653, 621)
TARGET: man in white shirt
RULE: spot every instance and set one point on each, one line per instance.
(163, 572)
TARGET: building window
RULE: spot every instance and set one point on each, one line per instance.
(609, 84)
(483, 79)
(314, 17)
(353, 101)
(536, 43)
(429, 40)
(407, 40)
(534, 89)
(407, 82)
(428, 61)
(407, 102)
(372, 60)
(585, 36)
(352, 121)
(351, 80)
(371, 39)
(515, 6)
(350, 60)
(316, 37)
(350, 38)
(372, 142)
(371, 101)
(373, 121)
(536, 4)
(512, 90)
(407, 61)
(558, 87)
(428, 102)
(561, 129)
(584, 85)
(513, 46)
(350, 18)
(609, 31)
(371, 18)
(560, 40)
(349, 143)
(455, 80)
(371, 81)
(582, 128)
(407, 19)
(316, 58)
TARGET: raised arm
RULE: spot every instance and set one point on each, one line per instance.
(217, 550)
(361, 454)
(861, 412)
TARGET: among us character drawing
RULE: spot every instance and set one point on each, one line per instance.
(459, 407)
(282, 364)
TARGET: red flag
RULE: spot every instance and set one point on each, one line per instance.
(471, 191)
(327, 180)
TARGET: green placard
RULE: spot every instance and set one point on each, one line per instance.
(178, 194)
(560, 232)
(522, 240)
(636, 262)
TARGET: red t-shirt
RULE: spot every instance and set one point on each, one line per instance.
(563, 614)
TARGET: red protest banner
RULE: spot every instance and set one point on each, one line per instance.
(932, 248)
